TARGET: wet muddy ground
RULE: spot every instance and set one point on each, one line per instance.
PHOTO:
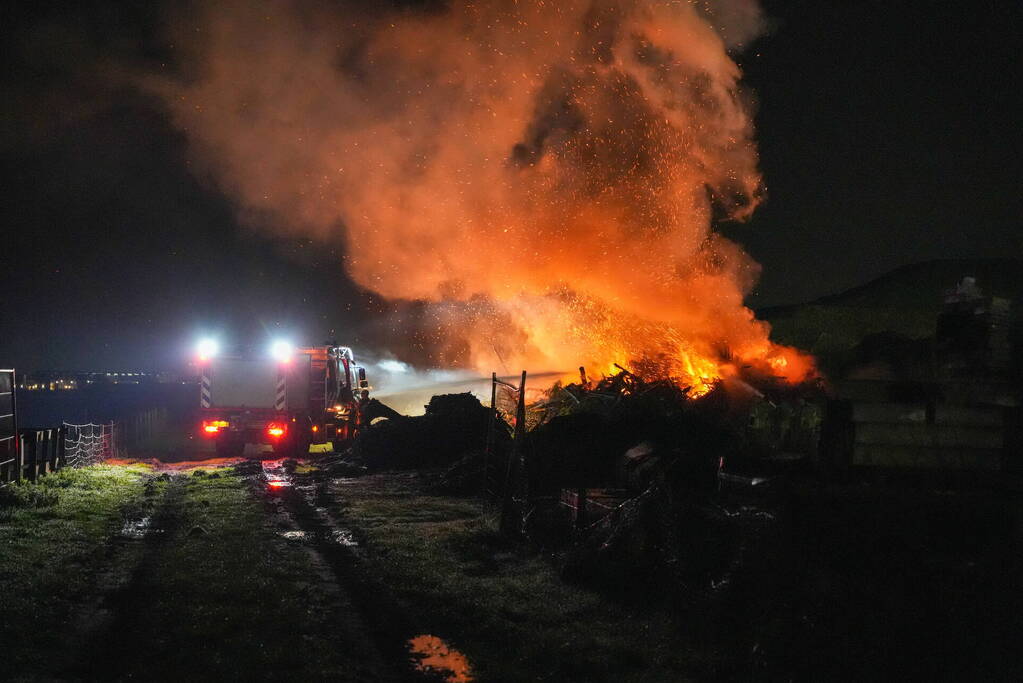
(228, 573)
(278, 570)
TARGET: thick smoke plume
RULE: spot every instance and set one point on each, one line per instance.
(546, 173)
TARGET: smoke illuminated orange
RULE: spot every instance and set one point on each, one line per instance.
(547, 174)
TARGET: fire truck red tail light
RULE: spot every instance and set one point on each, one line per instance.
(214, 426)
(276, 430)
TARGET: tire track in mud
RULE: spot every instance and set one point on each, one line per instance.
(304, 507)
(112, 635)
(116, 563)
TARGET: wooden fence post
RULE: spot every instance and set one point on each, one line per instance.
(490, 434)
(19, 464)
(51, 450)
(43, 451)
(33, 467)
(61, 435)
(511, 515)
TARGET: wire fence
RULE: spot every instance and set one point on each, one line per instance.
(88, 444)
(37, 452)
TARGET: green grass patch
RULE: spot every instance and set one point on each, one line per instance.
(53, 538)
(208, 592)
(502, 606)
(226, 598)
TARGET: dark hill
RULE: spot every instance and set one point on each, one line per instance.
(920, 285)
(905, 301)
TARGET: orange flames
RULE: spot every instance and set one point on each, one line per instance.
(545, 173)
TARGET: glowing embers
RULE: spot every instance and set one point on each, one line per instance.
(432, 655)
(572, 329)
(564, 213)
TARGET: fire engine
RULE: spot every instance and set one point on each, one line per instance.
(288, 397)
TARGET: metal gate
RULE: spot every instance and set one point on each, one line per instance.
(8, 426)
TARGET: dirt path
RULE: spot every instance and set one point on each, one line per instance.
(139, 572)
(121, 606)
(219, 577)
(299, 507)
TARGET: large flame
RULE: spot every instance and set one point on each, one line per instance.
(546, 173)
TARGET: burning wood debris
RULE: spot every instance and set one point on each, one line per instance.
(586, 433)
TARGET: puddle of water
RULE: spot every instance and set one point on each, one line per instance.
(135, 528)
(293, 535)
(345, 537)
(432, 654)
(276, 477)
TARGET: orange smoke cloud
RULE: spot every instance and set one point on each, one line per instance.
(547, 173)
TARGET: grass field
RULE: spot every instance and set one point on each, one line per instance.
(501, 605)
(56, 539)
(119, 573)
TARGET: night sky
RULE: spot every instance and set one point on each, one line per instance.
(888, 132)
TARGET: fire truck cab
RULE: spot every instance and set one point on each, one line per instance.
(290, 398)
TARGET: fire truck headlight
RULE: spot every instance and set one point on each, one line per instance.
(207, 348)
(281, 351)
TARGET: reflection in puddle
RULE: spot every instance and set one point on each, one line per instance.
(276, 477)
(431, 654)
(135, 528)
(293, 535)
(345, 537)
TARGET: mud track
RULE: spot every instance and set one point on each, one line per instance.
(302, 504)
(112, 631)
